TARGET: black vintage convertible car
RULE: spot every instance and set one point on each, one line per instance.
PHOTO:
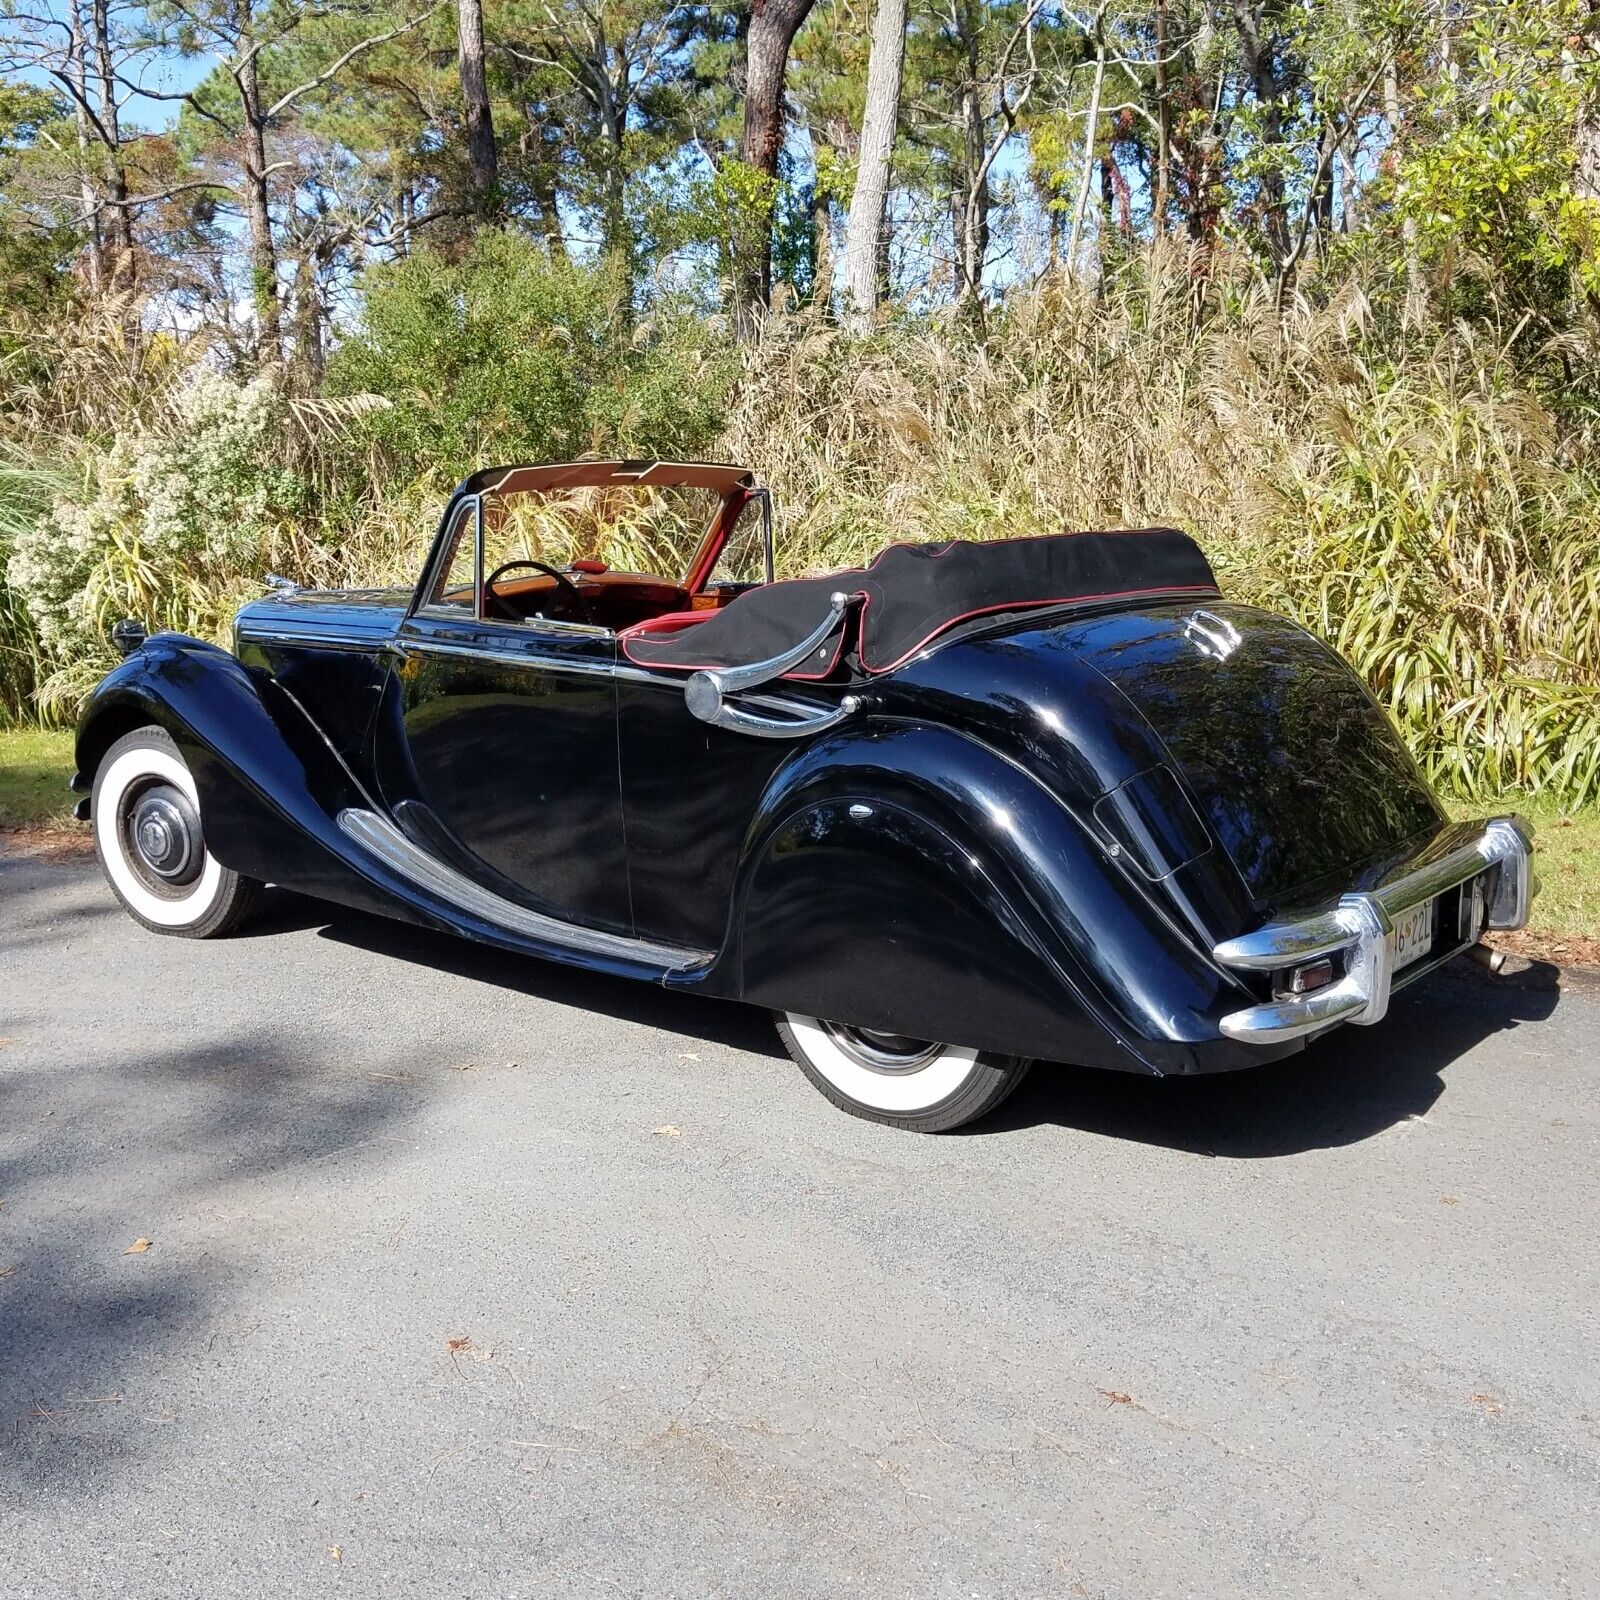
(971, 805)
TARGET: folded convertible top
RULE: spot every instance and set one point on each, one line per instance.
(914, 592)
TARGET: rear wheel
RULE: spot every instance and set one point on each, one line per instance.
(146, 817)
(887, 1077)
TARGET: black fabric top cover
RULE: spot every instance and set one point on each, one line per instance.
(913, 592)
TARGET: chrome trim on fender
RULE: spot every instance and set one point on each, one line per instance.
(310, 640)
(380, 838)
(1360, 927)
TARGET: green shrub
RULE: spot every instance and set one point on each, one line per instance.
(507, 355)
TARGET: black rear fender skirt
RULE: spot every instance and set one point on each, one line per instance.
(909, 879)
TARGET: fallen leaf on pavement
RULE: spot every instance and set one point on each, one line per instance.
(336, 1551)
(1117, 1397)
(1449, 1199)
(137, 1248)
(5, 1272)
(668, 1130)
(456, 1346)
(1489, 1403)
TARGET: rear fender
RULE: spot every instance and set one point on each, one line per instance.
(911, 879)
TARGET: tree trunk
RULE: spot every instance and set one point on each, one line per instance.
(975, 232)
(1091, 134)
(821, 235)
(124, 268)
(1416, 304)
(1163, 186)
(864, 231)
(481, 160)
(87, 197)
(773, 25)
(1266, 83)
(257, 210)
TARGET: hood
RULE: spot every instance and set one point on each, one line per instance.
(336, 616)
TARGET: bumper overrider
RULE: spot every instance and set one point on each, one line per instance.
(1493, 874)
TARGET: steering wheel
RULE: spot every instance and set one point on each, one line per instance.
(505, 610)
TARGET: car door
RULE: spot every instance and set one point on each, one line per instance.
(508, 760)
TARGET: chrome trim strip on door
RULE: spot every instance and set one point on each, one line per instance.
(413, 645)
(380, 838)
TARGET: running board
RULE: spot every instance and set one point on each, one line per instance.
(379, 837)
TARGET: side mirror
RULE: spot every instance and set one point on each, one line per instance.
(128, 635)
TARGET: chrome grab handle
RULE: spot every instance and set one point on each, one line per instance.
(706, 693)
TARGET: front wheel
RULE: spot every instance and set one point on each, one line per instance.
(887, 1077)
(146, 817)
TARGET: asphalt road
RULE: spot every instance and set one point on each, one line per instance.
(473, 1277)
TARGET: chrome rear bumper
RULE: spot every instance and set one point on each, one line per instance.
(1360, 930)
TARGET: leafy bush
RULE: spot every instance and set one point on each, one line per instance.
(507, 355)
(162, 522)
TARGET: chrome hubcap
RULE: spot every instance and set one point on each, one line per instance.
(892, 1053)
(162, 831)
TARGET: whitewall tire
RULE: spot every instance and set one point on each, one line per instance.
(908, 1083)
(146, 817)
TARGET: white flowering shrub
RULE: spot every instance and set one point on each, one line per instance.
(161, 516)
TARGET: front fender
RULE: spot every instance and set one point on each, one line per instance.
(910, 879)
(270, 785)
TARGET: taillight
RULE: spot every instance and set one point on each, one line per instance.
(1305, 979)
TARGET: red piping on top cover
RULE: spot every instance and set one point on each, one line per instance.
(1017, 605)
(943, 626)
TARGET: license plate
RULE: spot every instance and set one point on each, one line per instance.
(1413, 934)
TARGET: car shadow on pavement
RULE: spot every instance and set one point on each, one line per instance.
(725, 1022)
(1343, 1088)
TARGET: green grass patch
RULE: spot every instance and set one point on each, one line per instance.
(1566, 860)
(34, 769)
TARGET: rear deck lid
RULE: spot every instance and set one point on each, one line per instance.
(1300, 774)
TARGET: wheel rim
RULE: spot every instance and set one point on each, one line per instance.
(891, 1053)
(147, 829)
(884, 1072)
(161, 830)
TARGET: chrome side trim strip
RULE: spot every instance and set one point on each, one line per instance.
(314, 641)
(1360, 927)
(380, 838)
(410, 644)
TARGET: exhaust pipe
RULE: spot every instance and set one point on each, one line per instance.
(1491, 960)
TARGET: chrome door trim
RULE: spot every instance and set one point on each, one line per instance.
(414, 645)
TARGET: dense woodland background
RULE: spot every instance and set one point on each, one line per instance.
(1320, 282)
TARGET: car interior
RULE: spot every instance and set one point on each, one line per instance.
(593, 554)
